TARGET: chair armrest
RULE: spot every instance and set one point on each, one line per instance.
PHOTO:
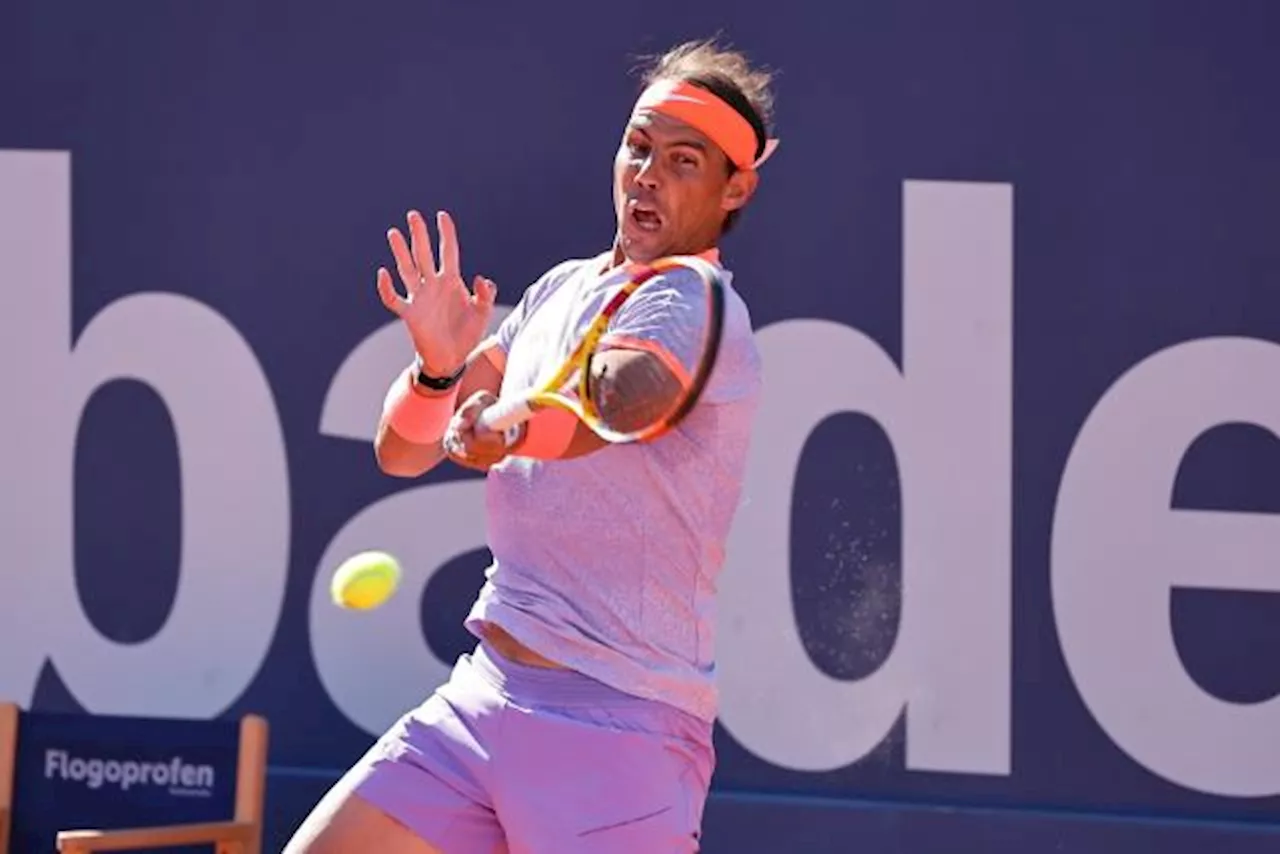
(84, 841)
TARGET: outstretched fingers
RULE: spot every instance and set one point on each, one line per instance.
(423, 257)
(449, 262)
(405, 265)
(415, 263)
(486, 292)
(387, 292)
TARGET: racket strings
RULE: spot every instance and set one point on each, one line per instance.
(642, 363)
(632, 393)
(641, 376)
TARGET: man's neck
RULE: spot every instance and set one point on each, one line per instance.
(617, 257)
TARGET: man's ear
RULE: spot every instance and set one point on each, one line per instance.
(739, 189)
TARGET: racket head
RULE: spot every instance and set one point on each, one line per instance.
(662, 370)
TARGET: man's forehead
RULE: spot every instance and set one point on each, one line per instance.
(658, 125)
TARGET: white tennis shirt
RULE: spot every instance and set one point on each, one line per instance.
(608, 563)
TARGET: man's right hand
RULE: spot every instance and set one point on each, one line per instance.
(444, 319)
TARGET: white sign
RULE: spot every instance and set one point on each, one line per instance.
(1117, 547)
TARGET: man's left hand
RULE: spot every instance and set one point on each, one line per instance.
(467, 447)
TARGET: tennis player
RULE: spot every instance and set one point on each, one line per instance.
(582, 721)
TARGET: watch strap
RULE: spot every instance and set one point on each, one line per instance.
(437, 383)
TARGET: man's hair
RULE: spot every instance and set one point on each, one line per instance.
(728, 75)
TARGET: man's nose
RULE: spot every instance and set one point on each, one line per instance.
(647, 175)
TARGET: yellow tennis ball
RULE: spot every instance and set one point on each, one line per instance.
(365, 580)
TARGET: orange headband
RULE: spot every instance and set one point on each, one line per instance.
(702, 110)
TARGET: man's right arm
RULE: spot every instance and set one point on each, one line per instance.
(399, 457)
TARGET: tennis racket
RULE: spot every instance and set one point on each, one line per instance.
(640, 401)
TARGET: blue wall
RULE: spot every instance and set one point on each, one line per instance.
(1004, 576)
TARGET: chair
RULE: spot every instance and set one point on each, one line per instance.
(88, 783)
(8, 749)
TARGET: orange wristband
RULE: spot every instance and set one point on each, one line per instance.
(547, 435)
(417, 418)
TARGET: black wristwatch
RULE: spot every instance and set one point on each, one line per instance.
(438, 383)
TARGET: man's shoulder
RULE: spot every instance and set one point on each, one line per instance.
(556, 276)
(742, 349)
(737, 313)
(568, 267)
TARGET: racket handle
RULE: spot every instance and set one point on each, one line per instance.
(504, 415)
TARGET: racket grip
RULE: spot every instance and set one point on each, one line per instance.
(504, 415)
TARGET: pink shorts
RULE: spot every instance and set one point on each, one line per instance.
(526, 760)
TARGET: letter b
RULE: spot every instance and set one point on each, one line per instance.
(235, 523)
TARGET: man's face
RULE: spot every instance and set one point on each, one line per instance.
(672, 189)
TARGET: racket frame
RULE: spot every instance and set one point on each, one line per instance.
(503, 415)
